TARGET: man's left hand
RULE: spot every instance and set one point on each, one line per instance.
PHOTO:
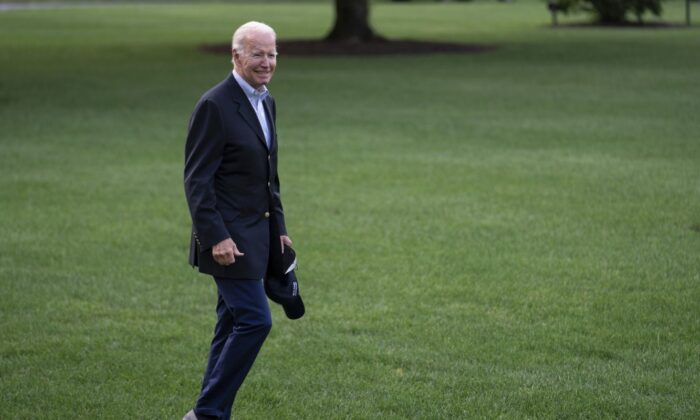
(284, 240)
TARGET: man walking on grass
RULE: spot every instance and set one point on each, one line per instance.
(233, 194)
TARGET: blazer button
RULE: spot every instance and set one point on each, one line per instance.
(268, 184)
(267, 214)
(268, 157)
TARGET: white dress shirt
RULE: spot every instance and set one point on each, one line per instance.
(256, 98)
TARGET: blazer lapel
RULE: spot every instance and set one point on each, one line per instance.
(245, 109)
(271, 123)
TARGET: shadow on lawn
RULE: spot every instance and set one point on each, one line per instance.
(319, 48)
(620, 25)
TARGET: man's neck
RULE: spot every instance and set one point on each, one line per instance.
(241, 79)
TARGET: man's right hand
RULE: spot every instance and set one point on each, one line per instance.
(225, 252)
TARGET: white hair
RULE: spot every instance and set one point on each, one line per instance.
(240, 37)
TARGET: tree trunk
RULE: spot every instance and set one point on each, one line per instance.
(352, 23)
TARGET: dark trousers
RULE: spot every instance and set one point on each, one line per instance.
(243, 322)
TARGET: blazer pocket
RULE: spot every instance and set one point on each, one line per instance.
(230, 215)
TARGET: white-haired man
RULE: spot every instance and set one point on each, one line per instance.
(232, 190)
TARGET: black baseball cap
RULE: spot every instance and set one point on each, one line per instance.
(285, 291)
(282, 287)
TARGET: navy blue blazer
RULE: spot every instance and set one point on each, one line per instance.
(231, 182)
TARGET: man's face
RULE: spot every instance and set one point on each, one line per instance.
(257, 62)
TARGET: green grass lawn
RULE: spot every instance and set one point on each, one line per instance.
(509, 234)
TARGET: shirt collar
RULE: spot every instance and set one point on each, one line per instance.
(253, 94)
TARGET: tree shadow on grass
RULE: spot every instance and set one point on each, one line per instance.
(620, 25)
(319, 48)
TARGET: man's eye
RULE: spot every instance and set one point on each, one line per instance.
(257, 55)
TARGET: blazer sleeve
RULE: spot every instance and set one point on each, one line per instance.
(277, 210)
(276, 195)
(203, 156)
